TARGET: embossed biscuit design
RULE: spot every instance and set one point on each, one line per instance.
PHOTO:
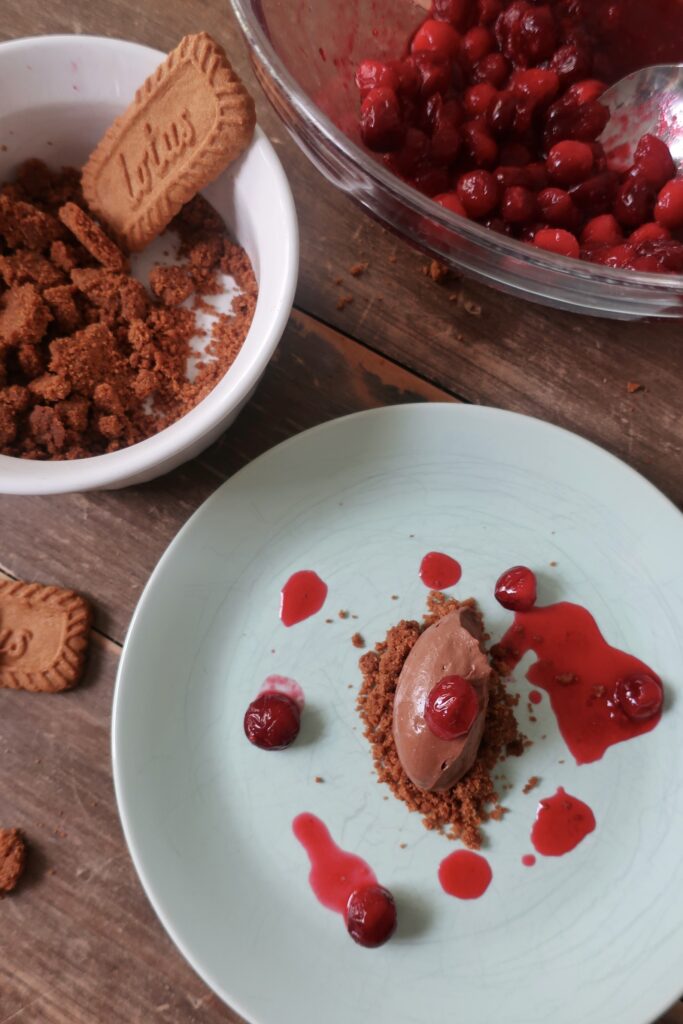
(43, 637)
(188, 121)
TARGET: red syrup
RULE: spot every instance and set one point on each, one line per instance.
(303, 595)
(439, 571)
(283, 684)
(335, 874)
(562, 821)
(535, 696)
(465, 874)
(528, 860)
(579, 671)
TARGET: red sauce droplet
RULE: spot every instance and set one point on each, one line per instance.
(334, 874)
(528, 860)
(465, 874)
(535, 696)
(303, 595)
(579, 671)
(562, 821)
(439, 571)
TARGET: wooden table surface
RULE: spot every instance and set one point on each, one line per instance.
(79, 943)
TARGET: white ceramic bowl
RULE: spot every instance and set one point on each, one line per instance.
(57, 96)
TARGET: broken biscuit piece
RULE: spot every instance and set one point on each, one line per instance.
(12, 858)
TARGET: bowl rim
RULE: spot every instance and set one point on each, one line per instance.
(25, 476)
(418, 203)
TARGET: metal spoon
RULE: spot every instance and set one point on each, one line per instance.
(647, 101)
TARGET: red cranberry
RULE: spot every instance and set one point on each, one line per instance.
(518, 205)
(596, 195)
(669, 205)
(457, 12)
(586, 91)
(538, 175)
(541, 87)
(477, 43)
(371, 916)
(451, 708)
(508, 176)
(661, 255)
(602, 230)
(557, 209)
(569, 162)
(557, 240)
(478, 192)
(445, 143)
(432, 180)
(412, 153)
(489, 10)
(651, 232)
(516, 588)
(503, 113)
(633, 202)
(481, 149)
(640, 696)
(526, 35)
(514, 154)
(437, 38)
(572, 63)
(493, 69)
(653, 161)
(450, 201)
(479, 98)
(381, 125)
(433, 75)
(567, 120)
(272, 721)
(408, 77)
(374, 74)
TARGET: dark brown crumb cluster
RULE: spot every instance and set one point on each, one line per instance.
(460, 811)
(90, 361)
(12, 858)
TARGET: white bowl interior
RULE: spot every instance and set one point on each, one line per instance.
(59, 94)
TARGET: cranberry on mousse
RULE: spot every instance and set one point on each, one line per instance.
(440, 702)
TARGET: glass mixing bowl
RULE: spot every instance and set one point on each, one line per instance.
(305, 53)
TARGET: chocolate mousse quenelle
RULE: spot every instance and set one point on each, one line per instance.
(441, 701)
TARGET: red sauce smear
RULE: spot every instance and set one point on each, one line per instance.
(283, 684)
(579, 670)
(465, 874)
(562, 821)
(439, 571)
(528, 860)
(334, 874)
(303, 595)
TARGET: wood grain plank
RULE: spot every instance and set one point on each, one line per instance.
(106, 544)
(78, 939)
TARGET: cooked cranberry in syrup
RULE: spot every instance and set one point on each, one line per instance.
(272, 721)
(516, 589)
(487, 85)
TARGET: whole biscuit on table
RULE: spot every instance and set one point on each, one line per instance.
(188, 121)
(43, 637)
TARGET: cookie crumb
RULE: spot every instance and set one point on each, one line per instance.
(403, 846)
(552, 565)
(531, 783)
(632, 387)
(318, 779)
(358, 269)
(12, 858)
(343, 614)
(436, 270)
(473, 308)
(343, 301)
(357, 640)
